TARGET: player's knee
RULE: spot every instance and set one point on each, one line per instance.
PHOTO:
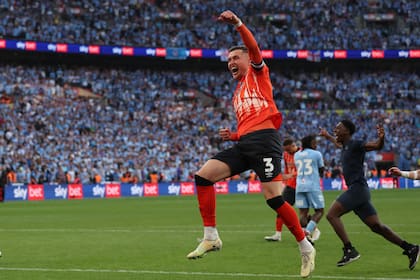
(331, 216)
(377, 227)
(275, 202)
(203, 182)
(319, 213)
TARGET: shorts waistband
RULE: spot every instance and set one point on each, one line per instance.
(258, 132)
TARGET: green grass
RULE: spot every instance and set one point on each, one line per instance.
(148, 238)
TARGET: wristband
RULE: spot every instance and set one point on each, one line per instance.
(405, 174)
(238, 24)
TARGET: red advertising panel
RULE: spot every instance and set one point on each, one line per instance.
(340, 54)
(388, 183)
(35, 192)
(2, 44)
(378, 54)
(221, 187)
(196, 53)
(94, 49)
(75, 191)
(302, 54)
(112, 190)
(267, 53)
(30, 46)
(127, 51)
(187, 188)
(150, 189)
(415, 53)
(160, 52)
(62, 48)
(254, 186)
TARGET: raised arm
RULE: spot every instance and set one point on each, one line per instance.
(324, 133)
(379, 142)
(246, 35)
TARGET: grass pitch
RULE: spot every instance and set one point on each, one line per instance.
(149, 238)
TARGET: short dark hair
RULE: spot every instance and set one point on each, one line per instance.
(307, 140)
(288, 142)
(238, 47)
(349, 125)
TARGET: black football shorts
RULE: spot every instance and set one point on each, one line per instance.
(260, 150)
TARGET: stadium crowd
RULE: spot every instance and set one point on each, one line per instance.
(70, 124)
(298, 24)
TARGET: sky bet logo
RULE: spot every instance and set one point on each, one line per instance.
(98, 191)
(136, 190)
(242, 187)
(174, 189)
(60, 192)
(20, 193)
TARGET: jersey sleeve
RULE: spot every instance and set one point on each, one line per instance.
(252, 45)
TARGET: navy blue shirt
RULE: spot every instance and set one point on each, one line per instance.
(352, 158)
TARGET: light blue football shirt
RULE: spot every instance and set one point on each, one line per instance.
(308, 162)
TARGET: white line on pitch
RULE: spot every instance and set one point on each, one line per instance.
(192, 273)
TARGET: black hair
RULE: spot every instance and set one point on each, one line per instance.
(288, 142)
(307, 140)
(349, 125)
(238, 47)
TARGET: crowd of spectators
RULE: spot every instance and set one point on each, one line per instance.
(67, 123)
(296, 24)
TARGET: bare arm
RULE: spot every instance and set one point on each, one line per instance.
(414, 175)
(379, 143)
(324, 133)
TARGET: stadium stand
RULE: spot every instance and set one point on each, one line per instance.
(62, 121)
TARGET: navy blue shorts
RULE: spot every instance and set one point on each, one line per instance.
(289, 195)
(357, 199)
(260, 150)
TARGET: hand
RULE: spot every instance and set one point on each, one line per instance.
(224, 133)
(229, 17)
(394, 171)
(380, 130)
(323, 132)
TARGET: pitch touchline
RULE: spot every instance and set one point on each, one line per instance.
(159, 230)
(190, 273)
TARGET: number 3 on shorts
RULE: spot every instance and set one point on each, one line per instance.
(269, 167)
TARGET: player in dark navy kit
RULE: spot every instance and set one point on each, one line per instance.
(357, 197)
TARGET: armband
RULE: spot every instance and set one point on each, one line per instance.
(238, 24)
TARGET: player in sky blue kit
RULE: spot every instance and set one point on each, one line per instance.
(310, 167)
(357, 196)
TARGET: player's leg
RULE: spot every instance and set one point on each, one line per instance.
(277, 234)
(288, 214)
(317, 202)
(288, 196)
(337, 209)
(372, 221)
(212, 171)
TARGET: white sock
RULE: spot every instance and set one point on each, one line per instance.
(278, 233)
(210, 233)
(305, 246)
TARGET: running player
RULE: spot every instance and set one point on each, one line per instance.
(310, 167)
(258, 146)
(289, 193)
(357, 197)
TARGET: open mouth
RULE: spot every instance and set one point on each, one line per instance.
(234, 70)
